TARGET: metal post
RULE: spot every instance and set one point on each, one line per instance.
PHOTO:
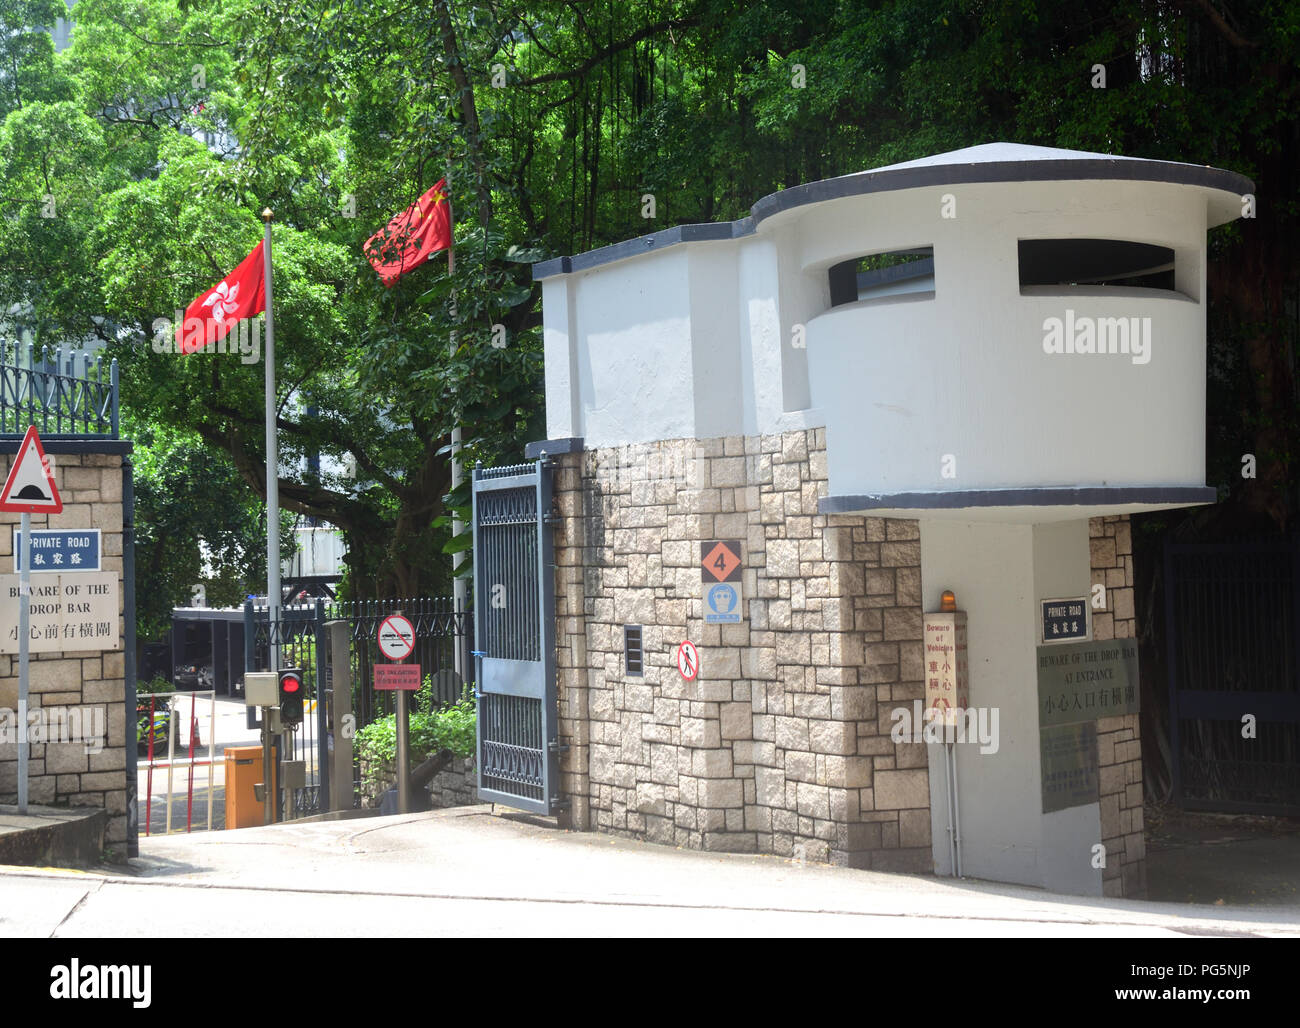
(341, 716)
(272, 457)
(24, 631)
(459, 587)
(403, 753)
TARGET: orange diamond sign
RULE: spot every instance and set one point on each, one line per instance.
(720, 561)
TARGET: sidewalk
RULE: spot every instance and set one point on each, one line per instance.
(470, 872)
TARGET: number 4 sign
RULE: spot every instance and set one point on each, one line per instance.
(720, 561)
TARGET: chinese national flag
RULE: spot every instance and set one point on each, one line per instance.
(239, 295)
(408, 240)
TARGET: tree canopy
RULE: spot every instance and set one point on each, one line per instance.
(160, 134)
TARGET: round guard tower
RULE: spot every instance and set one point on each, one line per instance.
(785, 438)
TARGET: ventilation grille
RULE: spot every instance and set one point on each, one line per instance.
(633, 656)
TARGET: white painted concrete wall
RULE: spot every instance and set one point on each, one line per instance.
(998, 573)
(965, 373)
(700, 340)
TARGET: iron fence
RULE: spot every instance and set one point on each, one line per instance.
(442, 650)
(67, 394)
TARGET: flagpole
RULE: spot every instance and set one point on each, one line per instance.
(459, 587)
(272, 459)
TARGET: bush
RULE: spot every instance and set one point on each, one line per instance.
(451, 728)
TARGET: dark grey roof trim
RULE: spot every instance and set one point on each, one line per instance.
(887, 180)
(707, 232)
(552, 447)
(1048, 496)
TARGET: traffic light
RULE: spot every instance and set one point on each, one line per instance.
(291, 696)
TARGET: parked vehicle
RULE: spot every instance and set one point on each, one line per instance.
(192, 676)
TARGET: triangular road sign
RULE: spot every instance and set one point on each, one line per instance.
(30, 488)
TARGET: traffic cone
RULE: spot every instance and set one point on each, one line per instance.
(195, 742)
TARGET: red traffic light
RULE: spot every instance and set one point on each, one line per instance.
(288, 684)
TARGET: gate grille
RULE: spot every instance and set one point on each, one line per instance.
(1232, 614)
(515, 637)
(513, 754)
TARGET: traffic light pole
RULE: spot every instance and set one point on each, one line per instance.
(268, 792)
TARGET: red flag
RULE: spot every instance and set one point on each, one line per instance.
(412, 236)
(239, 295)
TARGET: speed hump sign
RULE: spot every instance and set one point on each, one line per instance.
(688, 660)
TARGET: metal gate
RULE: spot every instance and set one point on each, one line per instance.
(1232, 617)
(514, 637)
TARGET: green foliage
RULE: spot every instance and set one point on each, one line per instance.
(197, 522)
(156, 684)
(337, 116)
(431, 730)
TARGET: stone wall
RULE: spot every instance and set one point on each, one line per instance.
(1119, 745)
(782, 744)
(88, 682)
(455, 787)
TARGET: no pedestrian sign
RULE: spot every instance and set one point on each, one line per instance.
(688, 660)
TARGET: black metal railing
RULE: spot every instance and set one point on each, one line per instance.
(442, 636)
(67, 394)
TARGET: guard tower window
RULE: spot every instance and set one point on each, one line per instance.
(1095, 262)
(880, 275)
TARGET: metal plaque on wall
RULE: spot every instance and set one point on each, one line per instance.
(1085, 681)
(1069, 762)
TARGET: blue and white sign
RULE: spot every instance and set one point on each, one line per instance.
(1066, 620)
(60, 550)
(722, 602)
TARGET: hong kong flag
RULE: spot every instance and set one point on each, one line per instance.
(239, 295)
(411, 237)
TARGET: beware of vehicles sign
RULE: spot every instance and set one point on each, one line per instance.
(30, 488)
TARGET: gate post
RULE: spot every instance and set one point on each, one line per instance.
(341, 716)
(322, 722)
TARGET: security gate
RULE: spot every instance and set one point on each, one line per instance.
(514, 634)
(1232, 617)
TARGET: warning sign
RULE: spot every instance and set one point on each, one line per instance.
(720, 561)
(722, 601)
(405, 677)
(30, 488)
(688, 660)
(67, 612)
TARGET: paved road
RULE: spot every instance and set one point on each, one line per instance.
(470, 872)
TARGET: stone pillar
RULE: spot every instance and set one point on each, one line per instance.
(1119, 743)
(89, 685)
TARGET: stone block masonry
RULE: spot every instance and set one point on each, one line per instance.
(782, 744)
(1119, 744)
(89, 683)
